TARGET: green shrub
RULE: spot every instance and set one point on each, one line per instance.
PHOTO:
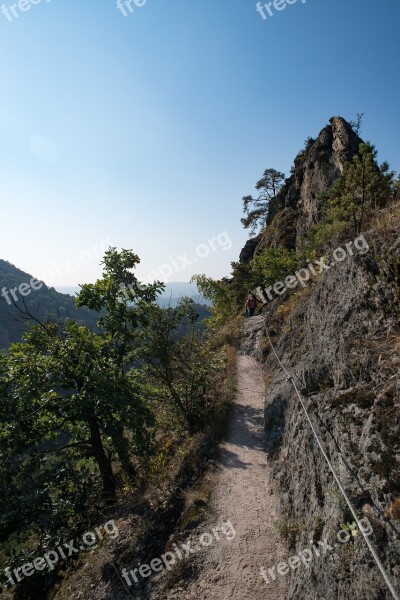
(273, 265)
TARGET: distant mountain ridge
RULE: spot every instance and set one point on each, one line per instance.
(46, 302)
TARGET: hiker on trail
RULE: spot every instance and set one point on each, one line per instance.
(251, 305)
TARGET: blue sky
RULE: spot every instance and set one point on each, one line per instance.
(147, 130)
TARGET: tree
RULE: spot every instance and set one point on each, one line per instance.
(274, 265)
(222, 295)
(121, 301)
(396, 188)
(43, 493)
(68, 394)
(174, 355)
(66, 382)
(256, 209)
(363, 186)
(123, 305)
(356, 125)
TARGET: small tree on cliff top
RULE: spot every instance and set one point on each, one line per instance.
(256, 209)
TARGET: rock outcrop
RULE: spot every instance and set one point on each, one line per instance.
(248, 249)
(297, 206)
(339, 336)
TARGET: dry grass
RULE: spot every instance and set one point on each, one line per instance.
(294, 301)
(387, 218)
(268, 377)
(393, 513)
(197, 501)
(229, 334)
(175, 498)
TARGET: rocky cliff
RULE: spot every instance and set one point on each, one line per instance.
(297, 205)
(339, 337)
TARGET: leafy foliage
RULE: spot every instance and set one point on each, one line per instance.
(228, 295)
(223, 297)
(274, 265)
(80, 410)
(175, 357)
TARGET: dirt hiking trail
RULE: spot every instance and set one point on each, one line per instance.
(231, 569)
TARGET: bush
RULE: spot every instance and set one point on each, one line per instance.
(224, 297)
(273, 265)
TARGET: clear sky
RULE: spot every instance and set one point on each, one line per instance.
(147, 130)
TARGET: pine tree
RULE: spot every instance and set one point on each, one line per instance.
(256, 209)
(364, 186)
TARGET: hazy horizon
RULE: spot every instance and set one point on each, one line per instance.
(174, 290)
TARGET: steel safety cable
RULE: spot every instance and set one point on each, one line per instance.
(336, 477)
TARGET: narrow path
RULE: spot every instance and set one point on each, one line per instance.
(230, 569)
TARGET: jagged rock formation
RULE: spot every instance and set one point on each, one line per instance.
(340, 337)
(249, 249)
(296, 207)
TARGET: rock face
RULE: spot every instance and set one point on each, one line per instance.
(340, 339)
(248, 250)
(296, 207)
